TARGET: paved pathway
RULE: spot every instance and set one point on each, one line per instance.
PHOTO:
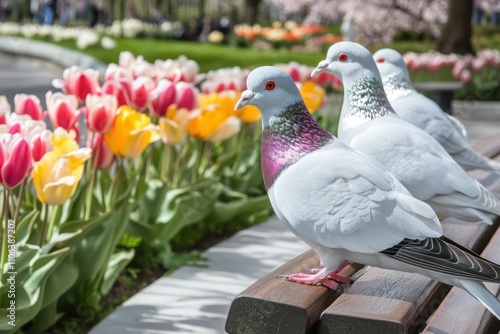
(20, 75)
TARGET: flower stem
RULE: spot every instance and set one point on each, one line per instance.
(90, 190)
(44, 224)
(19, 199)
(5, 231)
(52, 222)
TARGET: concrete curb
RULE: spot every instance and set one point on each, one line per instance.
(50, 53)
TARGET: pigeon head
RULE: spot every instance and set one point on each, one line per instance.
(347, 60)
(389, 62)
(270, 90)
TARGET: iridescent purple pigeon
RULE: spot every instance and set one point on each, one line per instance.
(424, 113)
(345, 205)
(369, 123)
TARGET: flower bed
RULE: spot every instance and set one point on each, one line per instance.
(130, 163)
(478, 73)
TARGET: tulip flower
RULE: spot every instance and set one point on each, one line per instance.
(41, 144)
(28, 105)
(101, 151)
(62, 109)
(121, 89)
(214, 120)
(162, 97)
(173, 127)
(78, 82)
(101, 112)
(313, 95)
(4, 109)
(131, 133)
(141, 87)
(186, 96)
(57, 174)
(15, 159)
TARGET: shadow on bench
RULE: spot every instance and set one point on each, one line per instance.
(379, 301)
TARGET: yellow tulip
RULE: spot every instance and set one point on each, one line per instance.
(131, 133)
(173, 126)
(63, 141)
(313, 95)
(56, 177)
(215, 119)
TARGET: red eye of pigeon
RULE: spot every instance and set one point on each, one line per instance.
(380, 60)
(342, 57)
(270, 85)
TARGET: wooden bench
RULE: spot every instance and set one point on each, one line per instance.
(378, 300)
(443, 91)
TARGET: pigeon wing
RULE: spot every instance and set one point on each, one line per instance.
(340, 198)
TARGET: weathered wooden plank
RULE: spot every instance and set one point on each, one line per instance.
(489, 147)
(460, 313)
(274, 305)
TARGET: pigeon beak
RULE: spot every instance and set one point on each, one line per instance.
(245, 99)
(322, 66)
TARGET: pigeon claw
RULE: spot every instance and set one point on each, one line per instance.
(315, 279)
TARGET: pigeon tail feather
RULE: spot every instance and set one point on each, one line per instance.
(470, 159)
(481, 293)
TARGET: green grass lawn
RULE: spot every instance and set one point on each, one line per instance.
(211, 57)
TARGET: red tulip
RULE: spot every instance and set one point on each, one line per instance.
(186, 96)
(4, 109)
(162, 97)
(141, 87)
(118, 88)
(101, 112)
(78, 82)
(28, 105)
(15, 160)
(105, 157)
(62, 109)
(41, 144)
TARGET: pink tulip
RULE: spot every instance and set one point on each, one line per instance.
(465, 77)
(15, 160)
(62, 109)
(41, 144)
(162, 97)
(322, 79)
(141, 87)
(101, 112)
(186, 96)
(105, 157)
(120, 89)
(4, 109)
(28, 105)
(79, 82)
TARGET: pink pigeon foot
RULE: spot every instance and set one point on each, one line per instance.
(314, 279)
(334, 274)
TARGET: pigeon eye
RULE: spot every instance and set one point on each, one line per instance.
(380, 60)
(343, 57)
(270, 85)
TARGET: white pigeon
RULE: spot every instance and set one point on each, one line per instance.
(369, 124)
(344, 204)
(424, 113)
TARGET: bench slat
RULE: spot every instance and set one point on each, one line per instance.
(273, 305)
(460, 313)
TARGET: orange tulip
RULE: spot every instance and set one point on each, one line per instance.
(131, 133)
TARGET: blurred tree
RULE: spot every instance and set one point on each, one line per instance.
(252, 10)
(456, 33)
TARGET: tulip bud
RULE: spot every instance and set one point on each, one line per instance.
(162, 97)
(78, 82)
(101, 112)
(28, 105)
(15, 160)
(101, 151)
(62, 109)
(4, 109)
(186, 96)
